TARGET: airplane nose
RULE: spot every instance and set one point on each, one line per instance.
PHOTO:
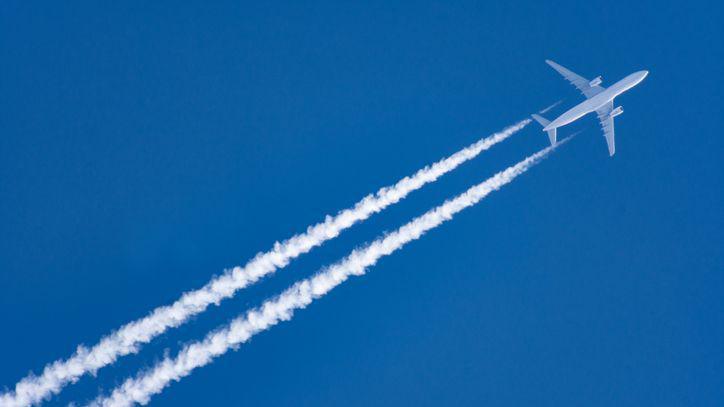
(644, 74)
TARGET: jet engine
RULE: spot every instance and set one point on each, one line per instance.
(595, 82)
(617, 111)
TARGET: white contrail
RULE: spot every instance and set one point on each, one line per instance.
(302, 293)
(33, 389)
(550, 107)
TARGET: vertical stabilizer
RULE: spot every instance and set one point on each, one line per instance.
(545, 122)
(552, 136)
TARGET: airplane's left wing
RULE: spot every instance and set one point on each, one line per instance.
(606, 119)
(581, 83)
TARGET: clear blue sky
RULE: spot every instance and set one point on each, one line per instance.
(144, 147)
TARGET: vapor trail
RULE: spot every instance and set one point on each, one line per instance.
(550, 107)
(128, 339)
(298, 296)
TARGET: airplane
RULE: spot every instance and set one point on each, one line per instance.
(598, 99)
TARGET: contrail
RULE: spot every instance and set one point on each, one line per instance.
(128, 339)
(551, 107)
(298, 296)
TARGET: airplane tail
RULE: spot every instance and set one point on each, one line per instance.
(544, 122)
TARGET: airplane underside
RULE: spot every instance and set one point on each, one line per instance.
(598, 99)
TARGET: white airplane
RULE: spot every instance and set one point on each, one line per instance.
(598, 99)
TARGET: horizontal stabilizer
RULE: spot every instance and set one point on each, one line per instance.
(541, 120)
(545, 122)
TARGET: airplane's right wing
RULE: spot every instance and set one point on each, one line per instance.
(606, 119)
(581, 83)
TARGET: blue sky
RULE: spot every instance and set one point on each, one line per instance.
(146, 147)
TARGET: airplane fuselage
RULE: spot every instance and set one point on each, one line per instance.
(598, 101)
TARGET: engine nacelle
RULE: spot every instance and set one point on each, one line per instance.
(617, 111)
(595, 82)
